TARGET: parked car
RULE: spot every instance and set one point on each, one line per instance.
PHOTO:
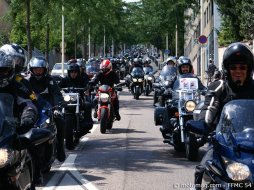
(56, 72)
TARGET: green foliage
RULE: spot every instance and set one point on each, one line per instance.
(131, 23)
(237, 20)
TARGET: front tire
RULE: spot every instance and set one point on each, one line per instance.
(104, 120)
(69, 132)
(191, 147)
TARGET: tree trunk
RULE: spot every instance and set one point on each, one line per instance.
(28, 31)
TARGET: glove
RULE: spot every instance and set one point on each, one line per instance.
(25, 125)
(57, 113)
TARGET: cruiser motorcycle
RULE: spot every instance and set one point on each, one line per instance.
(73, 115)
(148, 80)
(185, 97)
(16, 168)
(231, 166)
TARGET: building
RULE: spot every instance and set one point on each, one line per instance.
(201, 41)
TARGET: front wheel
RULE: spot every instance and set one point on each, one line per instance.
(69, 131)
(191, 147)
(104, 120)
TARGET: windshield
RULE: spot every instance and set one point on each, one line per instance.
(137, 72)
(186, 81)
(58, 66)
(237, 116)
(148, 70)
(168, 72)
(6, 112)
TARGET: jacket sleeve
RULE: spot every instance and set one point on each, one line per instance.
(213, 103)
(55, 91)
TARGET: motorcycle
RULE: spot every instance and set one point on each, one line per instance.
(73, 116)
(137, 82)
(46, 121)
(231, 166)
(148, 80)
(162, 83)
(105, 108)
(185, 97)
(16, 168)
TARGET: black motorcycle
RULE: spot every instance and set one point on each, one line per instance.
(185, 97)
(16, 168)
(137, 82)
(162, 83)
(231, 166)
(74, 116)
(148, 80)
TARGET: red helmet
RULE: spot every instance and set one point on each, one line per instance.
(105, 66)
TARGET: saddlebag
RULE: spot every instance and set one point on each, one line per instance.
(158, 115)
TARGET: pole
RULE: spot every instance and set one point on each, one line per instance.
(89, 40)
(63, 46)
(201, 48)
(104, 43)
(176, 39)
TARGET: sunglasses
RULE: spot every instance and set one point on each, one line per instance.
(242, 68)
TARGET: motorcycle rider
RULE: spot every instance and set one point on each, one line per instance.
(44, 84)
(17, 54)
(75, 79)
(171, 61)
(24, 109)
(238, 61)
(184, 68)
(109, 77)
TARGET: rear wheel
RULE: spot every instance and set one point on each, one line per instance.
(104, 120)
(69, 132)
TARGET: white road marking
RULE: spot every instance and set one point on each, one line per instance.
(71, 178)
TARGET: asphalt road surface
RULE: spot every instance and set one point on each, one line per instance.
(131, 156)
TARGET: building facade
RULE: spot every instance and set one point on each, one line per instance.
(201, 40)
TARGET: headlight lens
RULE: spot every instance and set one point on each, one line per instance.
(134, 80)
(150, 78)
(140, 80)
(238, 171)
(104, 97)
(5, 157)
(67, 98)
(190, 106)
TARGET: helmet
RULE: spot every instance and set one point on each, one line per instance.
(81, 63)
(18, 55)
(184, 61)
(7, 67)
(73, 67)
(38, 62)
(171, 59)
(105, 66)
(72, 61)
(238, 53)
(147, 60)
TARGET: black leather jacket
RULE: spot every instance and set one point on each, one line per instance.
(219, 93)
(109, 79)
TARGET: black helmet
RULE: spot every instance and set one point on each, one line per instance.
(18, 55)
(7, 67)
(184, 61)
(38, 62)
(73, 67)
(238, 53)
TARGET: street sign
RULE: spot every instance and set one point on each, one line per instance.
(202, 39)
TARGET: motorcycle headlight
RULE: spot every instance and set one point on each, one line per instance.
(67, 98)
(190, 106)
(104, 97)
(134, 80)
(150, 78)
(5, 157)
(238, 171)
(140, 80)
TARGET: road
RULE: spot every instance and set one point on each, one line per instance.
(131, 156)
